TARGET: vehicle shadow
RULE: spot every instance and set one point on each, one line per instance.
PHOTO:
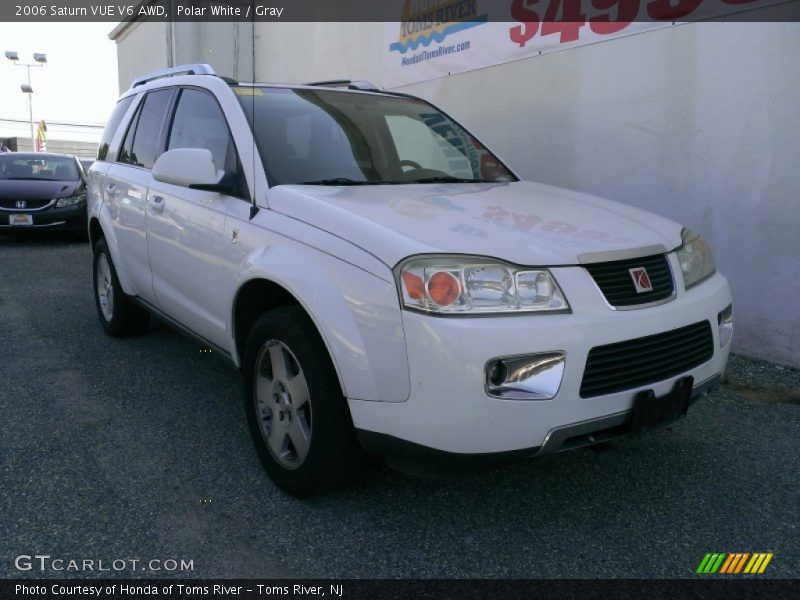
(32, 239)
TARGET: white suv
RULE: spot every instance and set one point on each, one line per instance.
(384, 282)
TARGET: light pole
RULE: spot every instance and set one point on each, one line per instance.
(40, 59)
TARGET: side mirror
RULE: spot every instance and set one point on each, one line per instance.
(189, 167)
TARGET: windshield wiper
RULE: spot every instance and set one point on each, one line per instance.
(448, 179)
(438, 179)
(338, 181)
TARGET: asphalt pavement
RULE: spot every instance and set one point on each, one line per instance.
(137, 448)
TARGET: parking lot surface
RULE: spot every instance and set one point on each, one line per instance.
(138, 448)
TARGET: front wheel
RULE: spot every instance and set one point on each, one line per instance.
(298, 416)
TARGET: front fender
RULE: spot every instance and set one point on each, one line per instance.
(357, 315)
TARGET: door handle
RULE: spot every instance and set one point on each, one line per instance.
(157, 204)
(111, 189)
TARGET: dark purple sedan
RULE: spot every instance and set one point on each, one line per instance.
(41, 191)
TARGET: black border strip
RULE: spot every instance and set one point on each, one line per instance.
(378, 10)
(709, 587)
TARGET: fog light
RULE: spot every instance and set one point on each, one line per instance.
(525, 377)
(725, 322)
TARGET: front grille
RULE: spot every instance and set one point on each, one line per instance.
(615, 281)
(30, 204)
(633, 363)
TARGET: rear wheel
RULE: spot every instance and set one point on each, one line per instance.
(119, 316)
(298, 416)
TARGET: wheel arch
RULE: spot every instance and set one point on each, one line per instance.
(354, 312)
(95, 231)
(260, 294)
(100, 226)
(253, 298)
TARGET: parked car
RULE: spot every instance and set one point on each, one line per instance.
(42, 191)
(385, 282)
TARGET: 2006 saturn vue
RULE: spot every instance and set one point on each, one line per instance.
(384, 282)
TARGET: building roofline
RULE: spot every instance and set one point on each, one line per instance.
(123, 26)
(119, 30)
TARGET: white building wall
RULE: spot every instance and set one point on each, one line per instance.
(146, 46)
(306, 52)
(141, 48)
(228, 47)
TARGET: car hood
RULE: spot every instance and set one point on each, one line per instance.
(522, 222)
(36, 189)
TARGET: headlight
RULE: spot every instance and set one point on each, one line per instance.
(474, 285)
(697, 263)
(70, 201)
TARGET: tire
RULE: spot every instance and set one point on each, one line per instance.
(119, 316)
(304, 436)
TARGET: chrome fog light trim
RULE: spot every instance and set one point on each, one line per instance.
(725, 322)
(525, 377)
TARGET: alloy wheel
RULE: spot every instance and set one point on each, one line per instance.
(282, 404)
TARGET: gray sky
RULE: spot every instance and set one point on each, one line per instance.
(78, 83)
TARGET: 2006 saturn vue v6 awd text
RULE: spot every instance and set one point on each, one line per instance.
(384, 282)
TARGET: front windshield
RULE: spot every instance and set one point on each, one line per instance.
(327, 137)
(43, 168)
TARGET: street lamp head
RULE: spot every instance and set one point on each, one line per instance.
(26, 89)
(12, 56)
(39, 57)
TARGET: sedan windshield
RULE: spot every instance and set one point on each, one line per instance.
(327, 137)
(42, 168)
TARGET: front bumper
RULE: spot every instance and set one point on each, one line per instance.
(69, 217)
(423, 461)
(448, 409)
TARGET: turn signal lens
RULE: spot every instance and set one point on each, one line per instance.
(443, 288)
(414, 285)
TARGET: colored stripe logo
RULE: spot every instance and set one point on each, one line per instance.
(437, 36)
(731, 563)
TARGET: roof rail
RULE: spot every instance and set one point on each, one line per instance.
(196, 69)
(352, 85)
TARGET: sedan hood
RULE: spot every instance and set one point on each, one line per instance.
(36, 189)
(524, 223)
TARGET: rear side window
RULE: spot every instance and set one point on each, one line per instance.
(112, 126)
(147, 135)
(126, 147)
